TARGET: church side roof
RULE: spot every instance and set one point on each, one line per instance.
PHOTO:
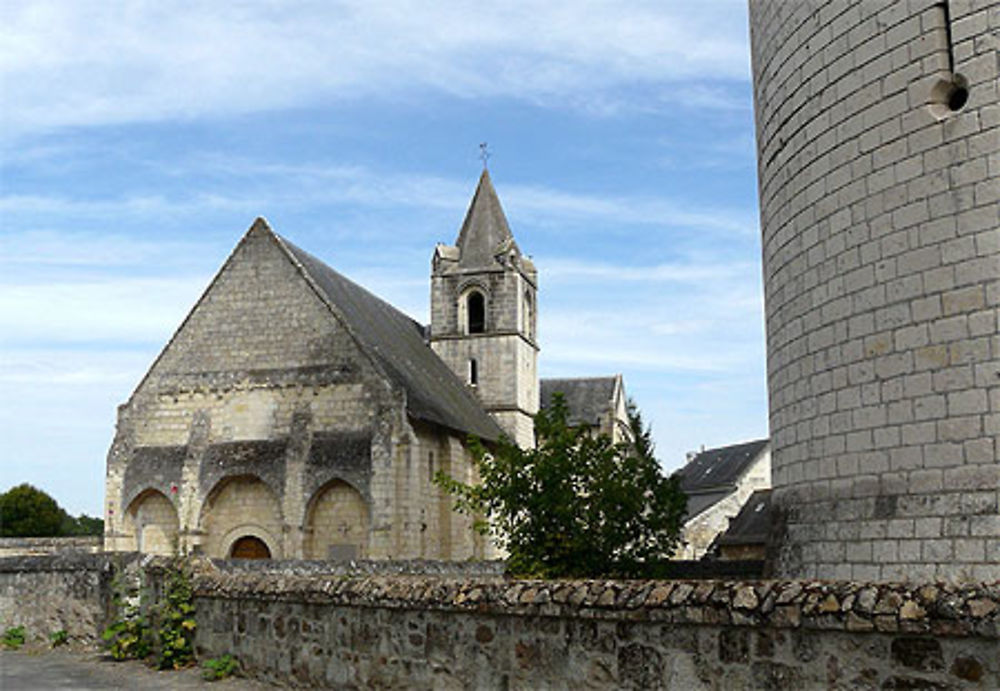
(397, 342)
(721, 467)
(588, 398)
(485, 228)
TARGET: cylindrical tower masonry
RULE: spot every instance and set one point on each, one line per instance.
(878, 139)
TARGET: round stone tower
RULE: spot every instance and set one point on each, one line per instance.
(878, 140)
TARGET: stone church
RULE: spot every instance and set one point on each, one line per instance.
(293, 414)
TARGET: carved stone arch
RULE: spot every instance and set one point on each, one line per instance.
(241, 533)
(238, 506)
(151, 523)
(337, 522)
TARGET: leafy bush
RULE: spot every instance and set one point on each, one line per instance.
(58, 638)
(220, 667)
(177, 622)
(128, 637)
(578, 505)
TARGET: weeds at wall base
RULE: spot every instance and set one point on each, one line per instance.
(13, 638)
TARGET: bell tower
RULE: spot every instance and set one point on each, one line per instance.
(484, 314)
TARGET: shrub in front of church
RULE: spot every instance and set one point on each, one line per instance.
(175, 612)
(128, 637)
(578, 505)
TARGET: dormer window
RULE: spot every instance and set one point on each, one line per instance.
(475, 310)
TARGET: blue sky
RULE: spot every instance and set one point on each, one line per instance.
(140, 140)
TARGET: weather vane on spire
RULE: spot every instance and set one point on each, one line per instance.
(484, 155)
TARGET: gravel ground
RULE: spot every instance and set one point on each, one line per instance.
(88, 669)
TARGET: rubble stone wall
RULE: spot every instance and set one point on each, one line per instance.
(421, 632)
(446, 625)
(63, 592)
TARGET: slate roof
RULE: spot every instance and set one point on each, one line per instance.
(485, 228)
(588, 398)
(752, 524)
(721, 467)
(433, 392)
(711, 476)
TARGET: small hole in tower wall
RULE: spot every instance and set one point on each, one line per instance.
(948, 96)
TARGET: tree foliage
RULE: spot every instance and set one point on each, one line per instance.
(27, 511)
(578, 504)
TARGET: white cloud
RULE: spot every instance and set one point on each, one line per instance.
(112, 310)
(88, 62)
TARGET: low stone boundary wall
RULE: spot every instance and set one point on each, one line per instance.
(419, 626)
(421, 632)
(27, 546)
(64, 592)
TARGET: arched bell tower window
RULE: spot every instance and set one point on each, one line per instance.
(475, 310)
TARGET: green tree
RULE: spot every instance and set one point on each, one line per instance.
(26, 511)
(82, 525)
(578, 504)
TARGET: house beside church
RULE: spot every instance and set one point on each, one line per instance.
(718, 482)
(599, 403)
(746, 536)
(293, 414)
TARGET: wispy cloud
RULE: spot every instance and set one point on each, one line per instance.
(272, 185)
(47, 249)
(88, 62)
(575, 270)
(69, 367)
(143, 310)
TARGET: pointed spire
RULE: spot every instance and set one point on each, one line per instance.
(485, 231)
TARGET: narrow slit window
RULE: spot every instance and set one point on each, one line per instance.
(476, 310)
(473, 372)
(529, 316)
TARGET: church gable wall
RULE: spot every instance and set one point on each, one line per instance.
(261, 381)
(259, 322)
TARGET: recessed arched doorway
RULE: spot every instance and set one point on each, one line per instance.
(238, 507)
(249, 547)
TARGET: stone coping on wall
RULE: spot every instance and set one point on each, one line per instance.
(62, 561)
(934, 608)
(365, 567)
(14, 546)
